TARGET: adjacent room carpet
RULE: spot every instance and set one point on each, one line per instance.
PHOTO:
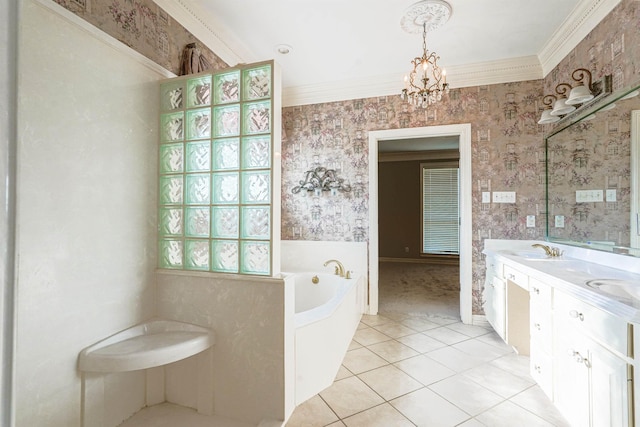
(417, 288)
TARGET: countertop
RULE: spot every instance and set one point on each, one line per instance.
(570, 274)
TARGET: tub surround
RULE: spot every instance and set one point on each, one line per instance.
(323, 333)
(253, 359)
(577, 316)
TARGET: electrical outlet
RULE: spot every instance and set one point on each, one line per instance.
(559, 221)
(486, 197)
(406, 249)
(611, 195)
(531, 221)
(504, 197)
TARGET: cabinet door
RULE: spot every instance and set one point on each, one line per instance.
(610, 376)
(494, 305)
(571, 376)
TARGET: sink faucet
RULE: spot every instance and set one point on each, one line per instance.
(339, 267)
(551, 252)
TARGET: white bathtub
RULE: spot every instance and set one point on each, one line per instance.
(327, 316)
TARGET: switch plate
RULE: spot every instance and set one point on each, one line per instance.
(531, 221)
(486, 197)
(504, 197)
(587, 196)
(559, 223)
(611, 195)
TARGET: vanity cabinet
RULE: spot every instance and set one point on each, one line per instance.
(494, 296)
(592, 378)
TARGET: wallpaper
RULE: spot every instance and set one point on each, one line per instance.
(507, 155)
(143, 26)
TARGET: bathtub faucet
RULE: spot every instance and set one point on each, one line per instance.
(339, 267)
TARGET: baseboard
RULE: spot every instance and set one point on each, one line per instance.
(480, 320)
(431, 260)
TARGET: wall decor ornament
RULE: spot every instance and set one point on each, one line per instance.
(321, 179)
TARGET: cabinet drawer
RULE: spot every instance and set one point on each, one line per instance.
(541, 366)
(516, 277)
(541, 328)
(540, 293)
(605, 328)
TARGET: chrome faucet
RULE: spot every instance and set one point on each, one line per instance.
(551, 252)
(339, 267)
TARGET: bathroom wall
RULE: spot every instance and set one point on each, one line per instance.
(507, 147)
(8, 82)
(86, 210)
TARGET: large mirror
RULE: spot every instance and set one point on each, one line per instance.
(592, 175)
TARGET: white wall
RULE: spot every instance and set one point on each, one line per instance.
(86, 209)
(8, 56)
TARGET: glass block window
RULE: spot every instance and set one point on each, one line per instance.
(215, 171)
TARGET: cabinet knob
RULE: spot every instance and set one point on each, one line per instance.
(579, 358)
(537, 326)
(535, 290)
(537, 368)
(511, 276)
(576, 315)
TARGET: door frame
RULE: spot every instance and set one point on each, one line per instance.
(463, 131)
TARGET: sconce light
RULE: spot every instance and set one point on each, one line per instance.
(561, 107)
(581, 93)
(321, 179)
(546, 114)
(585, 92)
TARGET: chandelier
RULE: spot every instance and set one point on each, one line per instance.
(426, 83)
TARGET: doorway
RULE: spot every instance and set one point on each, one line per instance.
(463, 132)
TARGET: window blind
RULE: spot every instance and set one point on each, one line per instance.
(440, 211)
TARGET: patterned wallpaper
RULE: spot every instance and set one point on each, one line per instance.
(143, 26)
(507, 155)
(507, 145)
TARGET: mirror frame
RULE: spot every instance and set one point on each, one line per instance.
(580, 114)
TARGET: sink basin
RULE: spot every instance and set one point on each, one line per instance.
(616, 287)
(531, 255)
(150, 344)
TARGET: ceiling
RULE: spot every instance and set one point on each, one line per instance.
(340, 49)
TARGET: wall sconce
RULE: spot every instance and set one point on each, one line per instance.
(585, 93)
(561, 107)
(547, 118)
(321, 179)
(581, 93)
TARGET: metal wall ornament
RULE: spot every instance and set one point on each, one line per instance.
(321, 179)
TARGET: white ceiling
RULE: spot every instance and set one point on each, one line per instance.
(343, 47)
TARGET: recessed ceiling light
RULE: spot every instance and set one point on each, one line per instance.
(283, 49)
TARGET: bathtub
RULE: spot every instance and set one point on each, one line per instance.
(326, 317)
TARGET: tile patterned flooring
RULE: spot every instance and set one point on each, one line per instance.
(428, 370)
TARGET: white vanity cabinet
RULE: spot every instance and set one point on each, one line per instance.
(593, 379)
(494, 296)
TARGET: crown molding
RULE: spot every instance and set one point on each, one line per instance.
(485, 73)
(220, 41)
(584, 18)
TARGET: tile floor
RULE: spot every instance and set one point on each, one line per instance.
(417, 370)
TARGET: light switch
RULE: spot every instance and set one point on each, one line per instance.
(531, 221)
(587, 196)
(486, 197)
(559, 223)
(504, 197)
(611, 195)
